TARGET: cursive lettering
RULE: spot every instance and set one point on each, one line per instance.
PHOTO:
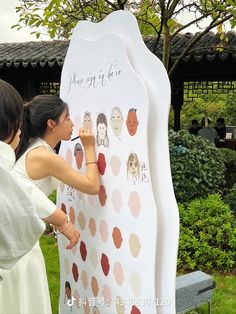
(110, 72)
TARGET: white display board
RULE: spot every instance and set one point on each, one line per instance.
(122, 263)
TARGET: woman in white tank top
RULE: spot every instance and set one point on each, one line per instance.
(46, 122)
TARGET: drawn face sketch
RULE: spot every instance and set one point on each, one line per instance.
(67, 291)
(133, 167)
(102, 129)
(116, 121)
(87, 123)
(78, 153)
(132, 121)
(102, 137)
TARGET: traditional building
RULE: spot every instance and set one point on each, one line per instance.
(35, 67)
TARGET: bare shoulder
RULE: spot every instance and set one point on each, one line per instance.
(39, 161)
(39, 153)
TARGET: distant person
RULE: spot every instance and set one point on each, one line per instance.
(220, 128)
(195, 127)
(207, 131)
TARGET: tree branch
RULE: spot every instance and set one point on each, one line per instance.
(162, 5)
(187, 7)
(187, 25)
(81, 9)
(172, 7)
(196, 38)
(147, 23)
(115, 7)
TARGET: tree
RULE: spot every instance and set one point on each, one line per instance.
(159, 18)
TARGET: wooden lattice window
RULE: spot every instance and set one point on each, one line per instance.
(193, 90)
(49, 88)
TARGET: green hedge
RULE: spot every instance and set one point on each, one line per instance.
(230, 199)
(207, 236)
(228, 155)
(197, 166)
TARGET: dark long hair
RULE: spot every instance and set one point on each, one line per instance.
(11, 111)
(36, 115)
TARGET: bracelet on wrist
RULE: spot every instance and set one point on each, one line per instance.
(90, 162)
(66, 226)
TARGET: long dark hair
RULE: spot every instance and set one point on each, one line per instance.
(36, 115)
(11, 111)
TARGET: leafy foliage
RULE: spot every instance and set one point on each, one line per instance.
(230, 109)
(210, 105)
(207, 236)
(59, 17)
(230, 199)
(228, 155)
(197, 167)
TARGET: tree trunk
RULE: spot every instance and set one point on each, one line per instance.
(166, 45)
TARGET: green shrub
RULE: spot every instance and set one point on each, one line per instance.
(207, 236)
(230, 199)
(196, 165)
(228, 155)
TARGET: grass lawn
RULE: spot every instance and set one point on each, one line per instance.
(50, 252)
(224, 296)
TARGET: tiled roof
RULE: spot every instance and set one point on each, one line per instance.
(205, 47)
(53, 52)
(34, 53)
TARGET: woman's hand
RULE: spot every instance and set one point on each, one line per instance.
(87, 138)
(72, 234)
(64, 226)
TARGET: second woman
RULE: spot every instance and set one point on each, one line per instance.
(46, 122)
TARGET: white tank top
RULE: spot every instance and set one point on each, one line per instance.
(47, 184)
